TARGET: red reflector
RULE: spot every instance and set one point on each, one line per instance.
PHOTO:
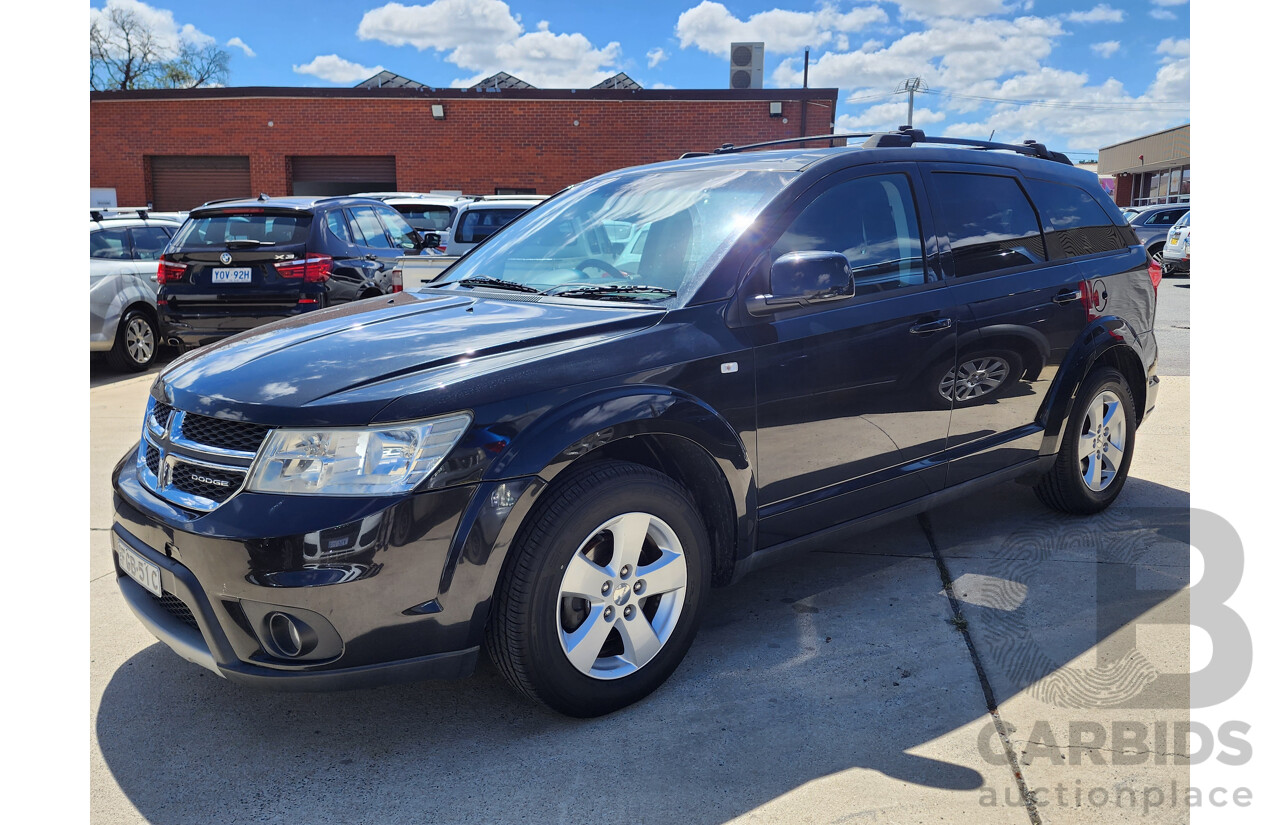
(314, 269)
(169, 272)
(397, 280)
(306, 300)
(1155, 273)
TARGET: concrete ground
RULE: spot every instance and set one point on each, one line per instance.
(853, 685)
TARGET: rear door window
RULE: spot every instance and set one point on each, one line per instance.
(989, 221)
(431, 218)
(1074, 223)
(336, 221)
(110, 244)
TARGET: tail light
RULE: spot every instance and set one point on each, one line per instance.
(397, 280)
(169, 272)
(1154, 272)
(314, 269)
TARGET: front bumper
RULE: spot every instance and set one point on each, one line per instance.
(391, 589)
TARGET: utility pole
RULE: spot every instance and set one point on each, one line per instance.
(911, 86)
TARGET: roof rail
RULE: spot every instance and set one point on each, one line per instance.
(729, 148)
(903, 137)
(906, 137)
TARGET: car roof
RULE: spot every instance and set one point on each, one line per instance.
(505, 203)
(296, 202)
(414, 197)
(108, 223)
(1151, 207)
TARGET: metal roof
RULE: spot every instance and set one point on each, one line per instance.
(618, 81)
(390, 80)
(502, 80)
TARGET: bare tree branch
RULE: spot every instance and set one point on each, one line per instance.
(125, 54)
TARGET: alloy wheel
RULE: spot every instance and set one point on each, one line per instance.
(140, 340)
(1102, 441)
(621, 596)
(974, 378)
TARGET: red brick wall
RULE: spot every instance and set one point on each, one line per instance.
(1124, 190)
(481, 144)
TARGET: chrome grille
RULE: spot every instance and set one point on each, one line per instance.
(227, 435)
(195, 461)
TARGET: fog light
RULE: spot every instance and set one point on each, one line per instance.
(290, 636)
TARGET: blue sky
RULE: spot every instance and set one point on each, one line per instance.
(1078, 75)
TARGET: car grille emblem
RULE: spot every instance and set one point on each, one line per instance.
(225, 257)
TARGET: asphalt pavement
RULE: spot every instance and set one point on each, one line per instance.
(991, 661)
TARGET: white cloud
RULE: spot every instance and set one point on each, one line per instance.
(1175, 48)
(885, 117)
(1101, 13)
(484, 37)
(1163, 14)
(656, 56)
(335, 69)
(950, 53)
(1170, 2)
(240, 44)
(165, 30)
(920, 9)
(711, 27)
(660, 86)
(1106, 49)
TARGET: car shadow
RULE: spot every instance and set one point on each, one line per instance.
(841, 660)
(102, 374)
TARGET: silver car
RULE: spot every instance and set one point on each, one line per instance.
(1177, 248)
(124, 253)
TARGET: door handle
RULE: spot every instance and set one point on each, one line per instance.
(926, 327)
(1067, 296)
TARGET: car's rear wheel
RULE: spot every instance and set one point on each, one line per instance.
(975, 377)
(601, 598)
(137, 342)
(1157, 254)
(1097, 446)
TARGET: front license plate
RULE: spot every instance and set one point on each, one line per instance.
(232, 275)
(139, 569)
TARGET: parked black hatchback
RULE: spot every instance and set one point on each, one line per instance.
(237, 264)
(558, 448)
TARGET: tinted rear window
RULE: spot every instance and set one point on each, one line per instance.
(990, 222)
(478, 224)
(426, 217)
(1074, 223)
(218, 230)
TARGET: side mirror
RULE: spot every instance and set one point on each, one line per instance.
(800, 279)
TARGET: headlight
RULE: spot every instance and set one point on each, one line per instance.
(373, 461)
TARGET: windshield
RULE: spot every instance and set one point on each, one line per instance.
(663, 231)
(1185, 220)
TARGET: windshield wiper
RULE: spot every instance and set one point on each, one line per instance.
(620, 292)
(496, 283)
(248, 243)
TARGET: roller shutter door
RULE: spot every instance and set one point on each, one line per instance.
(341, 174)
(179, 183)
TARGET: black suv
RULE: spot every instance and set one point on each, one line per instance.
(237, 264)
(558, 448)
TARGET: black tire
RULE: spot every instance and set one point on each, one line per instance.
(137, 342)
(530, 611)
(1010, 364)
(1157, 254)
(1064, 487)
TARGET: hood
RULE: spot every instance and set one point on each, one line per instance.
(341, 366)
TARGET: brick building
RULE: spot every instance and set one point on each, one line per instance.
(178, 148)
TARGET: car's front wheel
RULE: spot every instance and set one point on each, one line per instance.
(601, 598)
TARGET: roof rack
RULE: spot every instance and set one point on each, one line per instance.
(109, 212)
(907, 137)
(903, 137)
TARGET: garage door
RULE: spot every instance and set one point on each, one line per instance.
(341, 174)
(179, 183)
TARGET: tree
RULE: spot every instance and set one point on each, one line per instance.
(125, 54)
